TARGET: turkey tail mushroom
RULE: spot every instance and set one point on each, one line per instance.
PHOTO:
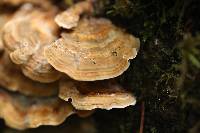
(21, 112)
(70, 18)
(98, 94)
(94, 50)
(24, 38)
(12, 79)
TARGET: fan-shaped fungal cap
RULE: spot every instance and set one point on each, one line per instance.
(24, 38)
(97, 94)
(95, 50)
(23, 112)
(12, 79)
(69, 18)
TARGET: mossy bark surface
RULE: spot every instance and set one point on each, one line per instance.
(165, 75)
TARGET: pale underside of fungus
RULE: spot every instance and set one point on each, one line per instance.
(25, 37)
(12, 79)
(98, 94)
(94, 50)
(23, 112)
(70, 18)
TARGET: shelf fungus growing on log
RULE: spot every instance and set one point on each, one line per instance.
(23, 112)
(25, 37)
(94, 50)
(70, 18)
(91, 51)
(12, 79)
(98, 94)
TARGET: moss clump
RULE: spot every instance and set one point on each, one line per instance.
(155, 73)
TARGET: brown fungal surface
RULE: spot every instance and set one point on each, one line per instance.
(98, 94)
(12, 79)
(69, 18)
(94, 50)
(23, 112)
(25, 37)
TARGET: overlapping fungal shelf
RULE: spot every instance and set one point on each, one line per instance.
(57, 63)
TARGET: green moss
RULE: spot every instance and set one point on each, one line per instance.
(154, 74)
(191, 49)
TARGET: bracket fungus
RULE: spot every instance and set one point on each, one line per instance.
(24, 39)
(94, 50)
(70, 18)
(98, 94)
(23, 112)
(18, 82)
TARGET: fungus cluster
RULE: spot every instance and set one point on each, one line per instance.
(24, 40)
(57, 63)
